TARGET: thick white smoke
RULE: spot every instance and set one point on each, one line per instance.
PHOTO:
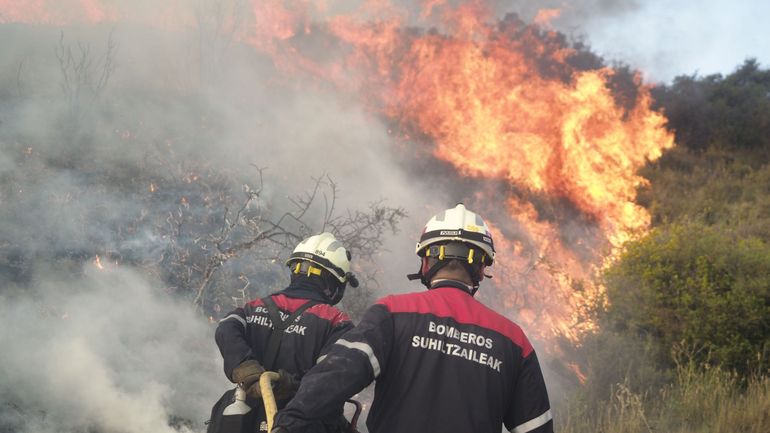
(103, 351)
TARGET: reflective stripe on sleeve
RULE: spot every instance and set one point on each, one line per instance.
(533, 423)
(320, 358)
(236, 317)
(367, 350)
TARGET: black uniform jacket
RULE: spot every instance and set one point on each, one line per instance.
(245, 332)
(443, 363)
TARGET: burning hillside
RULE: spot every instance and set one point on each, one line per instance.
(550, 148)
(503, 104)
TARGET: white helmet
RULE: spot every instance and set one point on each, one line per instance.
(325, 251)
(455, 234)
(461, 225)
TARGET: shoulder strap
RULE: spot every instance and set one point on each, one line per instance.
(279, 328)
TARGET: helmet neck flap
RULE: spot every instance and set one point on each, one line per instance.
(307, 276)
(444, 254)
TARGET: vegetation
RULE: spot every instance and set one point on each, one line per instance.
(698, 400)
(684, 341)
(701, 275)
(731, 112)
(698, 284)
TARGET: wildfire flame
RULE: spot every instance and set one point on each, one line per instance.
(500, 102)
(574, 368)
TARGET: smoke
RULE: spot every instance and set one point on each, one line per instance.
(572, 13)
(103, 351)
(192, 115)
(83, 158)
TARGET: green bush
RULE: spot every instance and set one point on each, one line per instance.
(699, 285)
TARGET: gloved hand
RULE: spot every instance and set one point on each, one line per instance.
(286, 386)
(247, 373)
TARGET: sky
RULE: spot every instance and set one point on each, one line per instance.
(665, 38)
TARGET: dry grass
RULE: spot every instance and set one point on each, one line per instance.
(700, 400)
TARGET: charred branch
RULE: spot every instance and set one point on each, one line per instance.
(81, 72)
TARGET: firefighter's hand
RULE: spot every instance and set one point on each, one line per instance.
(286, 386)
(247, 373)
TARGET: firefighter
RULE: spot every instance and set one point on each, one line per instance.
(443, 361)
(320, 271)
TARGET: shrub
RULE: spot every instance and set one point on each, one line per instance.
(697, 284)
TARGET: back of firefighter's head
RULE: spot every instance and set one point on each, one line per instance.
(455, 244)
(325, 262)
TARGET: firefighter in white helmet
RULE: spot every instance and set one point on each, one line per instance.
(288, 331)
(455, 237)
(443, 361)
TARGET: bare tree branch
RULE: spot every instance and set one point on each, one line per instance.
(361, 231)
(77, 69)
(19, 84)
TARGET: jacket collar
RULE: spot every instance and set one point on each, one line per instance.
(452, 283)
(304, 291)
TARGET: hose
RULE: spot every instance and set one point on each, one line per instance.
(268, 399)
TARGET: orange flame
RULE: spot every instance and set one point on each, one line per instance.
(577, 371)
(479, 93)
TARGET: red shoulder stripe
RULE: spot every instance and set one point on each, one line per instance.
(460, 306)
(290, 305)
(256, 303)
